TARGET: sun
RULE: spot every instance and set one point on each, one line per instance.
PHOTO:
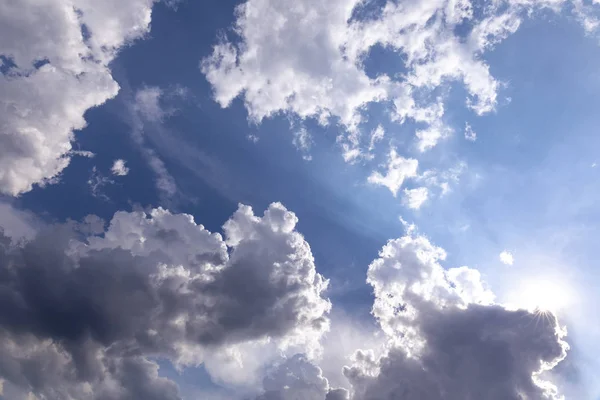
(544, 295)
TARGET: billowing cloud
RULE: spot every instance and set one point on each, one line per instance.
(56, 56)
(119, 168)
(298, 378)
(306, 58)
(85, 319)
(447, 339)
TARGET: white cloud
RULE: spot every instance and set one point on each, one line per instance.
(376, 136)
(447, 339)
(119, 168)
(293, 62)
(443, 180)
(83, 153)
(147, 103)
(297, 378)
(398, 169)
(506, 258)
(59, 74)
(414, 198)
(470, 134)
(303, 142)
(305, 57)
(430, 136)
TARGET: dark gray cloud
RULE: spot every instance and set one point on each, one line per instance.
(83, 317)
(447, 339)
(85, 313)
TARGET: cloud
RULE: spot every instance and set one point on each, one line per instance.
(398, 169)
(443, 180)
(377, 135)
(414, 198)
(119, 168)
(83, 153)
(306, 58)
(17, 224)
(506, 258)
(298, 378)
(447, 339)
(470, 134)
(429, 137)
(303, 142)
(57, 56)
(96, 182)
(85, 317)
(147, 112)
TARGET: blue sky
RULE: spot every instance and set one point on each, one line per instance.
(292, 102)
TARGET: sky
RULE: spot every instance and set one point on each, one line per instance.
(299, 200)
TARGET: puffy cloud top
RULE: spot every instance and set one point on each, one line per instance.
(83, 319)
(58, 52)
(447, 339)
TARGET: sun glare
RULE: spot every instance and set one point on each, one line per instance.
(544, 296)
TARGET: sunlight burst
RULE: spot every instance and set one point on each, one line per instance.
(545, 296)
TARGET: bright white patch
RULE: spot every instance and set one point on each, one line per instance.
(470, 133)
(429, 137)
(544, 295)
(119, 168)
(414, 198)
(398, 169)
(507, 258)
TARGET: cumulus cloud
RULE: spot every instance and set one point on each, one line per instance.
(56, 60)
(306, 58)
(398, 169)
(507, 258)
(298, 378)
(447, 338)
(86, 318)
(414, 198)
(119, 168)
